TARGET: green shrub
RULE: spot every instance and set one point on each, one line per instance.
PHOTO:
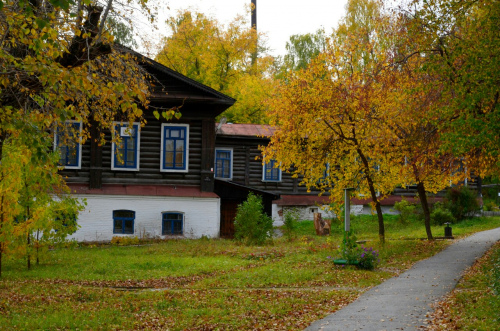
(290, 223)
(440, 214)
(490, 205)
(362, 257)
(407, 210)
(368, 258)
(461, 202)
(124, 241)
(251, 224)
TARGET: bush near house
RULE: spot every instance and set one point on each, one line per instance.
(441, 215)
(290, 223)
(407, 210)
(252, 226)
(462, 202)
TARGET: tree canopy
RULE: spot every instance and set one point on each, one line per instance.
(398, 97)
(58, 62)
(220, 57)
(459, 47)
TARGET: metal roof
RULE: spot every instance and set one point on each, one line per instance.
(249, 130)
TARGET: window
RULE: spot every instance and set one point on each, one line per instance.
(123, 221)
(174, 147)
(171, 223)
(224, 163)
(126, 151)
(68, 143)
(271, 173)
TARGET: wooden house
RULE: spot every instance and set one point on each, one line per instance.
(159, 182)
(239, 167)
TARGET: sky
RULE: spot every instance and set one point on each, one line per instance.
(278, 19)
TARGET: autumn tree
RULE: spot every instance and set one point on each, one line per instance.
(416, 139)
(220, 57)
(328, 116)
(459, 45)
(58, 62)
(442, 93)
(48, 212)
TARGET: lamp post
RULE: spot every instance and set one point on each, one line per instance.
(347, 208)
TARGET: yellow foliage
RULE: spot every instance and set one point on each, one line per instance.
(220, 57)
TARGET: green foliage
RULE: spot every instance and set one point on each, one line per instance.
(45, 213)
(461, 202)
(348, 247)
(301, 49)
(122, 33)
(363, 257)
(465, 64)
(407, 210)
(490, 205)
(124, 240)
(440, 214)
(251, 224)
(368, 258)
(290, 223)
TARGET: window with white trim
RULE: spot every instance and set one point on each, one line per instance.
(174, 147)
(67, 141)
(126, 150)
(123, 221)
(172, 223)
(224, 163)
(271, 172)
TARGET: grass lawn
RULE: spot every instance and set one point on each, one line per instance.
(475, 303)
(207, 284)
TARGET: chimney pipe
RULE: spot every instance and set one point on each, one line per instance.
(254, 14)
(254, 26)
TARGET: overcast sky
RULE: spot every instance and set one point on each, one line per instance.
(278, 19)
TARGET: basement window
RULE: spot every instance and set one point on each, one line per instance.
(123, 221)
(172, 223)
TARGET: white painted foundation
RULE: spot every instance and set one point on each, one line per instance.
(201, 216)
(307, 212)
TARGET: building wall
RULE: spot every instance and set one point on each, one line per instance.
(247, 166)
(307, 212)
(201, 216)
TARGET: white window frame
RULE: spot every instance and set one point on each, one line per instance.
(138, 149)
(224, 149)
(186, 144)
(264, 173)
(79, 166)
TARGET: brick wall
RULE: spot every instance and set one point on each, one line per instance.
(201, 216)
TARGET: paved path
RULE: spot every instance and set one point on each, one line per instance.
(402, 302)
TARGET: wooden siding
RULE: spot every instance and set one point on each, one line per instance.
(247, 166)
(149, 160)
(247, 169)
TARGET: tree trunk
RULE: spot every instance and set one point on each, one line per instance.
(2, 219)
(37, 244)
(378, 208)
(425, 207)
(373, 193)
(28, 254)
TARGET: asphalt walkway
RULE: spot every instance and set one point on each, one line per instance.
(402, 302)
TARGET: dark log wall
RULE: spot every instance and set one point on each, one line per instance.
(247, 166)
(149, 163)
